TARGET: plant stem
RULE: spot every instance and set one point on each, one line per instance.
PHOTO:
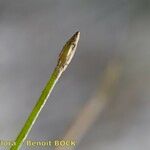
(63, 61)
(36, 110)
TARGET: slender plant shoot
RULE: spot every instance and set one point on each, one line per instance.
(65, 57)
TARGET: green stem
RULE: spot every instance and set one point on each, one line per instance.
(36, 110)
(65, 57)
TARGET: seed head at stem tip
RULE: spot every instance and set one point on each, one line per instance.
(68, 52)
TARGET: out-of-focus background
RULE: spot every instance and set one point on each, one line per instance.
(32, 33)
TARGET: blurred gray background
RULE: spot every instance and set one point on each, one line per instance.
(32, 33)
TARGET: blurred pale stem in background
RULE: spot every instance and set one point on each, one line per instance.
(94, 107)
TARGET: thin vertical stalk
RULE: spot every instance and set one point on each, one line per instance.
(64, 59)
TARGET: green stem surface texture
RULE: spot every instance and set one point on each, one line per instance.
(37, 109)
